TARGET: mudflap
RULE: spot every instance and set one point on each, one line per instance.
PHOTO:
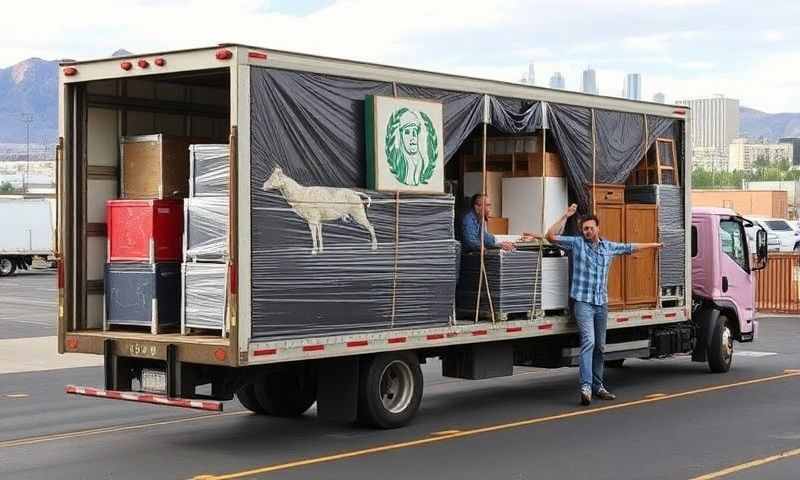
(706, 321)
(337, 389)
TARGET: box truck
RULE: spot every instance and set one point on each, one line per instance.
(319, 258)
(28, 232)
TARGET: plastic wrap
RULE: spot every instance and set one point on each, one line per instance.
(512, 276)
(673, 257)
(206, 228)
(351, 288)
(204, 299)
(210, 170)
(130, 291)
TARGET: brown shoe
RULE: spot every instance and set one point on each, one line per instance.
(586, 396)
(604, 394)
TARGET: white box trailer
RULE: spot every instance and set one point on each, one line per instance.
(218, 93)
(27, 232)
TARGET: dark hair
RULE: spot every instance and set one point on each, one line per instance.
(475, 198)
(590, 217)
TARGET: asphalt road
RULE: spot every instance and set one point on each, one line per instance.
(28, 302)
(672, 419)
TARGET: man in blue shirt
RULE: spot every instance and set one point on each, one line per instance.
(471, 227)
(591, 259)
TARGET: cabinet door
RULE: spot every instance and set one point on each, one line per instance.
(612, 227)
(641, 268)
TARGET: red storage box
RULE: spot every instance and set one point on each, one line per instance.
(144, 230)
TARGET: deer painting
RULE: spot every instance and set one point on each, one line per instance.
(322, 204)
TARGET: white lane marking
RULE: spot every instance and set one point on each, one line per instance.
(752, 353)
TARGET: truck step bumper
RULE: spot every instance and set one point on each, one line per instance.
(143, 397)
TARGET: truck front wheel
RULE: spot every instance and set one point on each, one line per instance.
(7, 267)
(390, 390)
(720, 352)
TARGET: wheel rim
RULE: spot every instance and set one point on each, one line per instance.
(397, 386)
(5, 266)
(727, 343)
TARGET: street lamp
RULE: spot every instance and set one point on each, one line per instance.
(28, 119)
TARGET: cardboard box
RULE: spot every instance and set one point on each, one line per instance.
(155, 166)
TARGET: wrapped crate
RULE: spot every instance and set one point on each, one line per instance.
(155, 166)
(142, 295)
(206, 230)
(144, 230)
(209, 170)
(204, 298)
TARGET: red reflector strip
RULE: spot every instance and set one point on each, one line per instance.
(313, 348)
(480, 332)
(679, 112)
(397, 340)
(358, 343)
(647, 317)
(671, 315)
(622, 319)
(513, 329)
(546, 326)
(257, 55)
(211, 405)
(266, 351)
(435, 336)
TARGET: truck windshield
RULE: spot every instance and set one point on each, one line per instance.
(733, 242)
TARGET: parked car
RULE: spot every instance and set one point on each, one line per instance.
(773, 241)
(789, 237)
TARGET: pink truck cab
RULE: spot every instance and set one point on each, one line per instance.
(723, 283)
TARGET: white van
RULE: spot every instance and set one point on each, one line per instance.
(788, 236)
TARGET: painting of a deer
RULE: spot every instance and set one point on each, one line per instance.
(322, 204)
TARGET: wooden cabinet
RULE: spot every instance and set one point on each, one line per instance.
(641, 268)
(497, 225)
(612, 227)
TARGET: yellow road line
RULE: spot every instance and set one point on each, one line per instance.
(16, 395)
(748, 465)
(445, 432)
(477, 431)
(97, 431)
(655, 395)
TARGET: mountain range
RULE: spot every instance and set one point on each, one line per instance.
(30, 87)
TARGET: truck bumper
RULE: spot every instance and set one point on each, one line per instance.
(142, 397)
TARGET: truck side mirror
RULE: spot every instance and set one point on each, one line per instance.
(761, 248)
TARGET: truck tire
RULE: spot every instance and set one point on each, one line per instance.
(390, 390)
(247, 397)
(720, 352)
(7, 266)
(287, 393)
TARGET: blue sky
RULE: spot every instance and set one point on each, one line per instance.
(684, 48)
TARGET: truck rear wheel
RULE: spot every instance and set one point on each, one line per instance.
(390, 390)
(720, 352)
(247, 397)
(287, 393)
(7, 267)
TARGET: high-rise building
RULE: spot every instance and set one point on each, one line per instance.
(743, 154)
(589, 81)
(632, 89)
(659, 98)
(531, 74)
(557, 81)
(795, 143)
(714, 123)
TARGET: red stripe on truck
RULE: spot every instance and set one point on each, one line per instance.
(313, 348)
(257, 55)
(435, 336)
(513, 329)
(671, 315)
(397, 340)
(479, 332)
(358, 343)
(265, 351)
(546, 326)
(622, 319)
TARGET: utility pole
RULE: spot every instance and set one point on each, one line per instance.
(28, 119)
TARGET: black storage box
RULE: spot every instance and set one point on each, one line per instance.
(143, 295)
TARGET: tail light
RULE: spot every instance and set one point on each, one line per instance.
(224, 54)
(126, 65)
(160, 62)
(70, 71)
(143, 63)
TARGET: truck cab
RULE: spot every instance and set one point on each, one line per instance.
(723, 282)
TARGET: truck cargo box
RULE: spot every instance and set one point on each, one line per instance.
(144, 230)
(143, 295)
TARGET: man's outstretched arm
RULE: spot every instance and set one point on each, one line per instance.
(644, 246)
(558, 227)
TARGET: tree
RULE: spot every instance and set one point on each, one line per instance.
(7, 187)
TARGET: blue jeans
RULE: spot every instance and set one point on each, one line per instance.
(592, 322)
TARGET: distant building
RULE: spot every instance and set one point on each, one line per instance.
(795, 143)
(710, 158)
(757, 203)
(589, 81)
(558, 81)
(743, 154)
(791, 187)
(659, 98)
(531, 74)
(714, 124)
(633, 87)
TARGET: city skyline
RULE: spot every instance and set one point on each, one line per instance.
(632, 87)
(589, 81)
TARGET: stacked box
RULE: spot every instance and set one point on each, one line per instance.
(144, 230)
(206, 239)
(209, 170)
(672, 234)
(518, 287)
(142, 295)
(155, 166)
(204, 296)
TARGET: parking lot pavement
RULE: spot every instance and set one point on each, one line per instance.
(28, 303)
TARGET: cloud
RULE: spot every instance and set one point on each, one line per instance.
(773, 35)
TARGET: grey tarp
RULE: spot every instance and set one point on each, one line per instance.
(515, 116)
(619, 145)
(572, 130)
